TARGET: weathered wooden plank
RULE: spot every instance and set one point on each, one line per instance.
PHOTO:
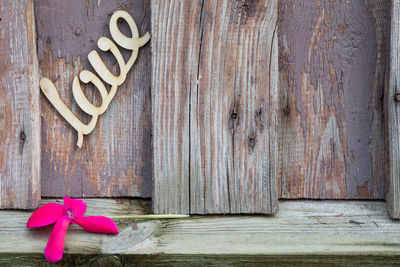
(309, 231)
(233, 110)
(175, 52)
(392, 109)
(115, 159)
(19, 105)
(332, 60)
(215, 99)
(184, 260)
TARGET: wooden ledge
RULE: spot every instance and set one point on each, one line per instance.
(303, 232)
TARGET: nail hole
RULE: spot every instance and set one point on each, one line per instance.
(234, 116)
(78, 31)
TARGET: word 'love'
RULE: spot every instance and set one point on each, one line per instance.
(131, 43)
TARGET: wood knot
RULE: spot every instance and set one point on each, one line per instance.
(259, 120)
(286, 110)
(234, 115)
(397, 97)
(22, 136)
(259, 113)
(252, 142)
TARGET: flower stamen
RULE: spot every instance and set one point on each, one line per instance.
(70, 213)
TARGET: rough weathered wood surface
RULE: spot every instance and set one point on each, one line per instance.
(233, 109)
(177, 260)
(303, 233)
(175, 41)
(19, 107)
(215, 99)
(393, 111)
(115, 159)
(331, 71)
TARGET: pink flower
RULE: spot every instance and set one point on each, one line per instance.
(71, 212)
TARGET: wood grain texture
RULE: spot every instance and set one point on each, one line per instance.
(331, 72)
(115, 159)
(233, 110)
(215, 99)
(305, 233)
(393, 111)
(19, 107)
(175, 45)
(183, 260)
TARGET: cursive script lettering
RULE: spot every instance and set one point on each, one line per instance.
(105, 44)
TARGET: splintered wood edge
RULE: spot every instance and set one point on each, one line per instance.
(335, 229)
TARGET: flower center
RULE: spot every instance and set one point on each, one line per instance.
(70, 213)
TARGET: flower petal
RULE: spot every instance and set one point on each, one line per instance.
(46, 214)
(97, 224)
(55, 246)
(78, 206)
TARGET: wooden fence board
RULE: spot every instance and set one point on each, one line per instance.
(331, 69)
(175, 50)
(115, 159)
(214, 106)
(393, 111)
(233, 110)
(19, 105)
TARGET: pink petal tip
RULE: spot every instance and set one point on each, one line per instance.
(55, 246)
(97, 224)
(45, 215)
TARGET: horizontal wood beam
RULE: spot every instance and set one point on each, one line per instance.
(304, 231)
(202, 260)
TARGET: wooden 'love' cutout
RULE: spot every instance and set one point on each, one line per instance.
(131, 43)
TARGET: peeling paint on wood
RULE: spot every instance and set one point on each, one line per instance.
(19, 106)
(215, 99)
(115, 159)
(331, 63)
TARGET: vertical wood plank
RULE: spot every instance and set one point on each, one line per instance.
(19, 105)
(115, 159)
(393, 111)
(331, 68)
(175, 51)
(215, 98)
(233, 110)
